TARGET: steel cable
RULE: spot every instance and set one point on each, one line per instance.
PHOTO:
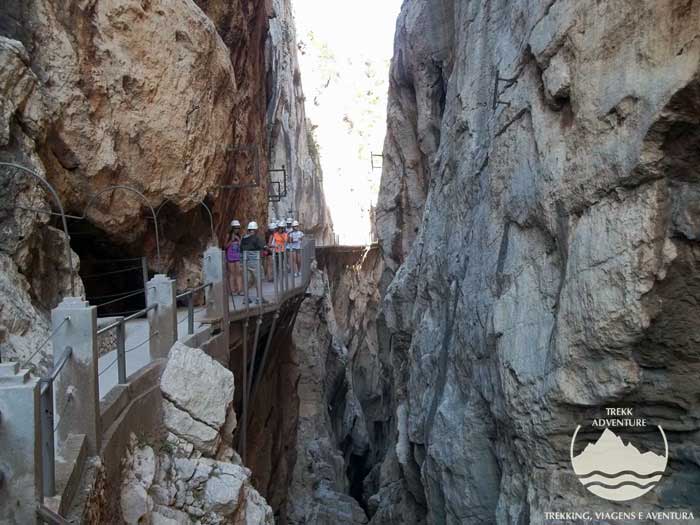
(109, 296)
(132, 294)
(113, 272)
(110, 365)
(53, 332)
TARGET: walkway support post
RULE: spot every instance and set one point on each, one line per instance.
(246, 297)
(162, 320)
(214, 271)
(244, 368)
(275, 280)
(121, 352)
(77, 389)
(20, 441)
(261, 370)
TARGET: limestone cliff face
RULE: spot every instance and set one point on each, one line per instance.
(291, 144)
(31, 273)
(540, 235)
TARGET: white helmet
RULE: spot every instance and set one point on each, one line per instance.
(289, 219)
(295, 223)
(281, 224)
(235, 224)
(272, 226)
(252, 225)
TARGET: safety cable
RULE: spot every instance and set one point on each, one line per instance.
(141, 343)
(194, 312)
(110, 365)
(113, 295)
(132, 294)
(126, 259)
(113, 272)
(53, 332)
(127, 312)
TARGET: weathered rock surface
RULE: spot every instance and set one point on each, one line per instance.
(166, 488)
(328, 417)
(540, 244)
(132, 103)
(289, 133)
(194, 476)
(33, 266)
(198, 399)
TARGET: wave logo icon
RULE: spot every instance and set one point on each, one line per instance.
(616, 471)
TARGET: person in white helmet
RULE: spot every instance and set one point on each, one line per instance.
(252, 245)
(278, 244)
(251, 242)
(290, 256)
(233, 258)
(267, 251)
(295, 238)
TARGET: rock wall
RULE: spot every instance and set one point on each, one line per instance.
(539, 234)
(290, 139)
(32, 277)
(193, 475)
(318, 423)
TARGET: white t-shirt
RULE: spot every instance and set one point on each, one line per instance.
(295, 237)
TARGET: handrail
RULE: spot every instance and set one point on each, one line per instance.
(190, 305)
(190, 291)
(48, 381)
(47, 423)
(109, 327)
(141, 312)
(48, 516)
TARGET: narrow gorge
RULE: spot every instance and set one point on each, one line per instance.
(534, 287)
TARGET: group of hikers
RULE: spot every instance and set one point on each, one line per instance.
(282, 236)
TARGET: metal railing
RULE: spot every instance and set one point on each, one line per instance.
(271, 278)
(47, 427)
(189, 295)
(120, 327)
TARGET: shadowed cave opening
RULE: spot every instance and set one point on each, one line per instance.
(112, 273)
(357, 470)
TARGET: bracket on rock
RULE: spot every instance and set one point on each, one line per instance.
(276, 196)
(508, 82)
(371, 159)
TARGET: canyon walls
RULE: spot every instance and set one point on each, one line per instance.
(539, 234)
(289, 134)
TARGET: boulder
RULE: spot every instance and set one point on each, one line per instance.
(197, 384)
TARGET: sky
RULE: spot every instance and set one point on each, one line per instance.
(345, 49)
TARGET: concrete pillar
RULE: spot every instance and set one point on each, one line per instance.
(215, 271)
(77, 388)
(20, 445)
(160, 290)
